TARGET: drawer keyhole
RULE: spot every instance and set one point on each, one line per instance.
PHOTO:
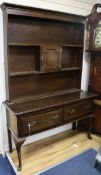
(31, 125)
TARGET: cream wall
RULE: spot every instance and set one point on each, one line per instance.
(80, 7)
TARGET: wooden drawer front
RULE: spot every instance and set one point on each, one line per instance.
(75, 110)
(40, 122)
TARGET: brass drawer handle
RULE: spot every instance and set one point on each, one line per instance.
(54, 117)
(72, 111)
(31, 125)
(87, 106)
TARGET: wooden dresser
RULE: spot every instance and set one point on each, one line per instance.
(43, 64)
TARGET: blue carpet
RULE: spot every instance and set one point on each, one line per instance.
(5, 167)
(82, 164)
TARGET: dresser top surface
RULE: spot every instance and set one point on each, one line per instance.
(33, 105)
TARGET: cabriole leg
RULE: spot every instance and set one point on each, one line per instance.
(18, 143)
(90, 126)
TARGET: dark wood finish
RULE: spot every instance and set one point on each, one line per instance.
(49, 83)
(26, 56)
(18, 143)
(36, 123)
(43, 58)
(95, 71)
(51, 58)
(97, 117)
(90, 126)
(92, 23)
(43, 113)
(74, 111)
(10, 141)
(71, 57)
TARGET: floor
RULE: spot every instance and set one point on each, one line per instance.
(47, 152)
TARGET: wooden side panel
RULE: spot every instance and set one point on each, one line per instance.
(12, 122)
(97, 119)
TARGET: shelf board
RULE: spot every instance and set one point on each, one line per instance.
(73, 45)
(12, 74)
(23, 44)
(35, 44)
(71, 69)
(62, 70)
(48, 95)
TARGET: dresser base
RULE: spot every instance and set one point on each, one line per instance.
(19, 141)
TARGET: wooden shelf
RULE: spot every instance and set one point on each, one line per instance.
(12, 74)
(72, 45)
(23, 44)
(61, 70)
(71, 69)
(36, 44)
(53, 58)
(57, 93)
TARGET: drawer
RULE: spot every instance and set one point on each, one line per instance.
(40, 122)
(75, 111)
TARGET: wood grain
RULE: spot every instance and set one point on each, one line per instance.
(48, 152)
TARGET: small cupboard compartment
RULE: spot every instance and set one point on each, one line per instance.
(51, 58)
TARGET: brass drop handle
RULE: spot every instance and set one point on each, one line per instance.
(54, 117)
(87, 106)
(31, 125)
(71, 111)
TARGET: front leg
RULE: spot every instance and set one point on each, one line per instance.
(9, 140)
(74, 125)
(90, 126)
(18, 143)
